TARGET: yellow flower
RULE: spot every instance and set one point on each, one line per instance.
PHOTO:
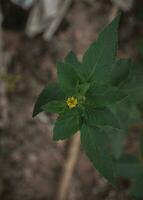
(72, 102)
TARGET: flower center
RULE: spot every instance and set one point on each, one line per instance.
(72, 102)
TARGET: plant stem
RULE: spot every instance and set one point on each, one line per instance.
(69, 167)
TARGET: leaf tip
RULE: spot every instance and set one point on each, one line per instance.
(34, 113)
(55, 138)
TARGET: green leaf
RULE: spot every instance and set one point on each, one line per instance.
(134, 86)
(83, 88)
(67, 77)
(137, 187)
(54, 107)
(101, 117)
(117, 138)
(135, 90)
(74, 62)
(128, 166)
(96, 145)
(51, 92)
(99, 57)
(104, 95)
(120, 71)
(126, 112)
(117, 142)
(66, 125)
(72, 59)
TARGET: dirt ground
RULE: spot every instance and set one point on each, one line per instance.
(31, 163)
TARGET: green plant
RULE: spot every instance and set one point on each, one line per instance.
(99, 97)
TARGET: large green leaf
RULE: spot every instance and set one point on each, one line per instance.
(99, 57)
(104, 95)
(101, 117)
(66, 125)
(126, 112)
(54, 107)
(68, 77)
(120, 71)
(117, 138)
(51, 92)
(137, 187)
(134, 86)
(96, 145)
(128, 166)
(82, 88)
(135, 90)
(72, 60)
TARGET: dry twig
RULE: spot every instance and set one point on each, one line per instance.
(69, 167)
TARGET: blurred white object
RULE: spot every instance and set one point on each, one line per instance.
(46, 16)
(23, 3)
(124, 5)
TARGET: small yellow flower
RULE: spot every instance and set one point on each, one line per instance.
(72, 102)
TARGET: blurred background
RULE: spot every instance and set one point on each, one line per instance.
(34, 35)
